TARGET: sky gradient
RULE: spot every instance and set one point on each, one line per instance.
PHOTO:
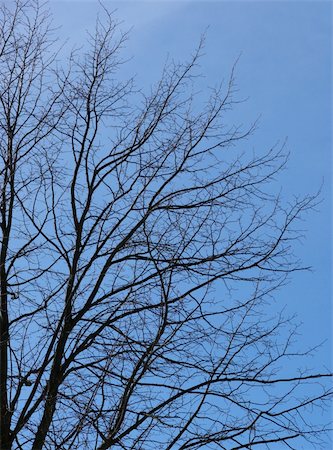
(284, 71)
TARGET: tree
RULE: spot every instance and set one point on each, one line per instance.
(120, 213)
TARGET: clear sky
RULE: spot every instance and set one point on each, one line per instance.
(285, 71)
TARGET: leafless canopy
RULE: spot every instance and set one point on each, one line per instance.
(120, 212)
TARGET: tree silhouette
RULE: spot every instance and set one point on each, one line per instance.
(120, 213)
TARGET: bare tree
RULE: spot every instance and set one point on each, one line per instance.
(120, 213)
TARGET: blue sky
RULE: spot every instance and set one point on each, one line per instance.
(285, 72)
